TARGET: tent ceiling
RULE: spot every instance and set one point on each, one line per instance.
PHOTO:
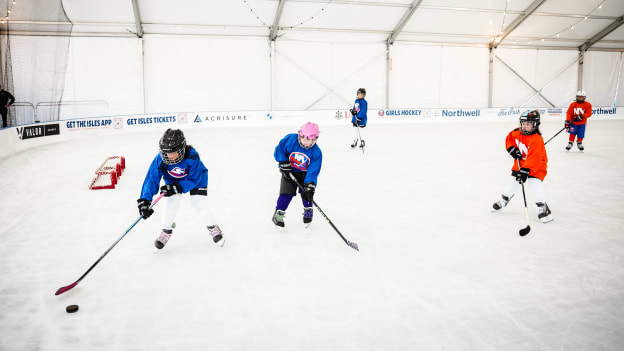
(475, 22)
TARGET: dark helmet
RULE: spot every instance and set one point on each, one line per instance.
(362, 90)
(533, 117)
(172, 141)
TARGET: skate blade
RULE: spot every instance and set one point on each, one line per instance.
(221, 242)
(307, 225)
(278, 229)
(547, 219)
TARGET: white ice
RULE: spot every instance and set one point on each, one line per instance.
(436, 271)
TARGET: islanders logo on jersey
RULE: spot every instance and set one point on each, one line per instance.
(523, 149)
(299, 161)
(177, 172)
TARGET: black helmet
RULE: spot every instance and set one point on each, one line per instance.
(362, 90)
(533, 117)
(172, 141)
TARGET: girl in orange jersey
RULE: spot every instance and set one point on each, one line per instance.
(526, 146)
(576, 120)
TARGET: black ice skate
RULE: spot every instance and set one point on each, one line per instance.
(580, 146)
(501, 203)
(278, 218)
(165, 235)
(543, 212)
(355, 142)
(217, 235)
(569, 146)
(307, 216)
(362, 144)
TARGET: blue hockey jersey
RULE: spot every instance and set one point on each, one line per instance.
(190, 173)
(361, 106)
(301, 159)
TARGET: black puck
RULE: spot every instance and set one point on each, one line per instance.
(71, 308)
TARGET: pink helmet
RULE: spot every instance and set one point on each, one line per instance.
(309, 130)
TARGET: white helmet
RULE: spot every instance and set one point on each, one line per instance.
(581, 93)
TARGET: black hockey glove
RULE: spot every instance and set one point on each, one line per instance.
(144, 208)
(522, 176)
(308, 191)
(514, 152)
(578, 118)
(171, 189)
(286, 169)
(567, 125)
(353, 112)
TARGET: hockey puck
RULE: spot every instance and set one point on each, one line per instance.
(71, 308)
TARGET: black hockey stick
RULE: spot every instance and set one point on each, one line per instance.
(524, 231)
(555, 135)
(349, 243)
(72, 285)
(360, 136)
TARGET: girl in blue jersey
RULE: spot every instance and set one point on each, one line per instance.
(299, 156)
(360, 107)
(183, 172)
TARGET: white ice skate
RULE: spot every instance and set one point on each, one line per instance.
(164, 237)
(217, 235)
(543, 212)
(497, 206)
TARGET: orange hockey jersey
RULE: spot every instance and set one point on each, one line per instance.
(584, 109)
(533, 152)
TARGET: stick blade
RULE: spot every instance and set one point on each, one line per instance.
(525, 231)
(354, 246)
(66, 288)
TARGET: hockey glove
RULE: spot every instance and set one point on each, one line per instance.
(286, 168)
(522, 175)
(144, 208)
(308, 191)
(514, 152)
(353, 112)
(171, 189)
(578, 118)
(567, 125)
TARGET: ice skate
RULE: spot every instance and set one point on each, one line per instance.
(580, 146)
(217, 235)
(354, 145)
(569, 147)
(278, 219)
(497, 206)
(543, 212)
(165, 235)
(307, 216)
(362, 144)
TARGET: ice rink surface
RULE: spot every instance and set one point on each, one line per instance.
(436, 269)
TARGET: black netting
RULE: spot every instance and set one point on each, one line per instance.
(34, 49)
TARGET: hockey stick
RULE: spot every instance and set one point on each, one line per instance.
(359, 135)
(349, 243)
(555, 135)
(524, 231)
(72, 285)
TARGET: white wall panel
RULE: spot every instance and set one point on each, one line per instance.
(107, 69)
(600, 77)
(203, 74)
(415, 76)
(464, 77)
(304, 72)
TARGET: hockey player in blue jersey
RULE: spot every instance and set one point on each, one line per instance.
(360, 107)
(183, 172)
(298, 154)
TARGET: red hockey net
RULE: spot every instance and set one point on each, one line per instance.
(108, 173)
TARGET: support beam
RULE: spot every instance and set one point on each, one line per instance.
(278, 15)
(579, 79)
(491, 77)
(406, 17)
(137, 19)
(513, 25)
(603, 33)
(538, 92)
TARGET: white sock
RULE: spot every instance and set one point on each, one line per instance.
(536, 188)
(172, 203)
(200, 204)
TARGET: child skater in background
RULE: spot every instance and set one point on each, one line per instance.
(576, 120)
(183, 172)
(360, 107)
(526, 146)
